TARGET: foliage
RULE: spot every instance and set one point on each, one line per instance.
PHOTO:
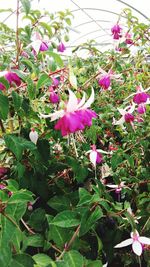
(56, 209)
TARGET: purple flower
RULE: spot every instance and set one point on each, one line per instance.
(54, 98)
(11, 77)
(136, 241)
(140, 98)
(43, 46)
(128, 39)
(141, 109)
(2, 186)
(61, 47)
(116, 30)
(104, 82)
(128, 117)
(55, 82)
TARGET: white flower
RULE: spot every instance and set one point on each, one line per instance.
(136, 241)
(33, 135)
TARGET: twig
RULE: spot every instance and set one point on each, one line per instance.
(67, 246)
(27, 227)
(17, 32)
(2, 126)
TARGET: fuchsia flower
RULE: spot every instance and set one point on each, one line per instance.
(53, 98)
(136, 241)
(11, 77)
(140, 97)
(128, 39)
(61, 47)
(118, 188)
(126, 116)
(95, 155)
(3, 171)
(105, 78)
(104, 82)
(116, 31)
(33, 135)
(75, 116)
(38, 44)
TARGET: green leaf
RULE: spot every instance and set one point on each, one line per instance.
(26, 4)
(18, 144)
(22, 260)
(21, 196)
(66, 219)
(80, 172)
(74, 258)
(4, 82)
(97, 263)
(56, 58)
(43, 260)
(89, 219)
(59, 235)
(37, 219)
(36, 240)
(59, 203)
(47, 28)
(84, 196)
(17, 100)
(43, 81)
(4, 106)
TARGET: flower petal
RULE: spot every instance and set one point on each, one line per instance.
(125, 243)
(72, 102)
(137, 248)
(112, 185)
(144, 240)
(89, 101)
(36, 45)
(54, 116)
(93, 156)
(81, 103)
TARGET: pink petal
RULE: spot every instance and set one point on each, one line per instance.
(134, 234)
(124, 243)
(144, 240)
(137, 248)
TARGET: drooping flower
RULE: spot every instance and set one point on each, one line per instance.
(128, 38)
(61, 47)
(136, 241)
(106, 77)
(75, 116)
(116, 31)
(3, 171)
(140, 97)
(55, 82)
(11, 77)
(126, 116)
(38, 44)
(54, 98)
(104, 82)
(118, 188)
(141, 109)
(95, 155)
(33, 135)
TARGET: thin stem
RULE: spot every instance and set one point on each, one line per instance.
(139, 260)
(17, 32)
(145, 225)
(27, 227)
(74, 145)
(2, 126)
(67, 246)
(10, 123)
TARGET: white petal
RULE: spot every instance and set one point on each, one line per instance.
(124, 243)
(72, 102)
(93, 156)
(36, 45)
(132, 108)
(89, 101)
(89, 151)
(112, 185)
(81, 103)
(103, 72)
(137, 248)
(120, 122)
(2, 73)
(122, 111)
(144, 240)
(102, 151)
(33, 135)
(54, 116)
(105, 265)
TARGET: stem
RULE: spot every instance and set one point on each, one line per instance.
(139, 260)
(67, 247)
(17, 32)
(74, 145)
(27, 227)
(145, 225)
(10, 123)
(2, 126)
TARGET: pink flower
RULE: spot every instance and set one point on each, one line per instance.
(106, 77)
(2, 186)
(126, 116)
(11, 77)
(141, 109)
(136, 241)
(38, 44)
(104, 82)
(118, 187)
(55, 82)
(61, 47)
(75, 116)
(140, 98)
(116, 31)
(128, 39)
(96, 156)
(54, 98)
